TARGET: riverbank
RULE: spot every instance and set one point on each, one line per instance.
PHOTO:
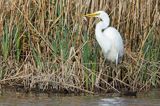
(13, 98)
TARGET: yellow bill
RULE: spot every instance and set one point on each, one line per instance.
(91, 15)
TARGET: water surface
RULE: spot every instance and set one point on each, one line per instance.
(151, 98)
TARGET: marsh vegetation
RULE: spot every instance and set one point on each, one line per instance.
(47, 45)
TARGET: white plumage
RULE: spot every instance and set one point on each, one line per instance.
(110, 39)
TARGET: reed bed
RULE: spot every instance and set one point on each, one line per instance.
(47, 45)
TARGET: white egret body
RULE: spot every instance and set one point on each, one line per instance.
(108, 38)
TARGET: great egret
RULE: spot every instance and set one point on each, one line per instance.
(108, 38)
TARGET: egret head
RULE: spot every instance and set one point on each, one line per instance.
(102, 15)
(98, 14)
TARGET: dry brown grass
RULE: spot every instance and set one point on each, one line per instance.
(48, 45)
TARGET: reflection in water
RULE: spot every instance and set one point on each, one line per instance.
(129, 102)
(41, 99)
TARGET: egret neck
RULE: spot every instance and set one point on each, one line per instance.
(99, 30)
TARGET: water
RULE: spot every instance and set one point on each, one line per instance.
(8, 98)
